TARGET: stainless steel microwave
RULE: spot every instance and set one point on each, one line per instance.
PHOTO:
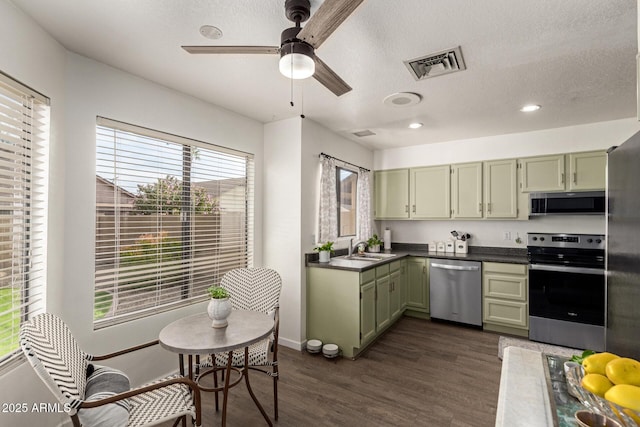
(573, 203)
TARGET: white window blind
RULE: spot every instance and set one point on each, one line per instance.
(172, 216)
(24, 133)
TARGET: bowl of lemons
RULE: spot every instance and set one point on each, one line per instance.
(608, 384)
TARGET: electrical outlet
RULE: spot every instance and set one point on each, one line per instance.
(506, 235)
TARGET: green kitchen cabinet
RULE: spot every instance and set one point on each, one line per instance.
(391, 194)
(403, 284)
(430, 192)
(587, 171)
(417, 287)
(383, 309)
(544, 173)
(466, 191)
(505, 298)
(395, 304)
(367, 312)
(501, 189)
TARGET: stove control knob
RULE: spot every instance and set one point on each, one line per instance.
(589, 240)
(598, 241)
(542, 239)
(534, 238)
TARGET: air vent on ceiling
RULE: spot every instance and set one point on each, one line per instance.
(362, 133)
(436, 64)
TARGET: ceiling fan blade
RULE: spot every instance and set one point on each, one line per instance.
(233, 49)
(327, 18)
(329, 78)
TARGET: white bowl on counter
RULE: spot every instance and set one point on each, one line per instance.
(314, 346)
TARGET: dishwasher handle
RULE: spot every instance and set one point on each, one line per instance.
(455, 267)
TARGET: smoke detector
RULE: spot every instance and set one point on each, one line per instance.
(402, 99)
(436, 64)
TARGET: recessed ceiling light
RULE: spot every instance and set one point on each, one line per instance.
(529, 108)
(211, 32)
(415, 125)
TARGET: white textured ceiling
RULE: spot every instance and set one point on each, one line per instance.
(574, 57)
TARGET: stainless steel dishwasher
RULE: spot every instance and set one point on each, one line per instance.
(455, 290)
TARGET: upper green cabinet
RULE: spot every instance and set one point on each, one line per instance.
(391, 192)
(587, 171)
(543, 173)
(466, 191)
(430, 192)
(570, 172)
(501, 189)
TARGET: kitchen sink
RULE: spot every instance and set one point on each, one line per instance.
(368, 256)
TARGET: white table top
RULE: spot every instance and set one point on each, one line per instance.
(194, 334)
(523, 399)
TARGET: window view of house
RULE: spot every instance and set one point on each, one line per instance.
(24, 136)
(171, 219)
(347, 201)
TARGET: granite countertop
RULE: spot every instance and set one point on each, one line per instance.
(400, 250)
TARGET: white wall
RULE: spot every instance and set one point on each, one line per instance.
(292, 182)
(282, 218)
(594, 136)
(81, 89)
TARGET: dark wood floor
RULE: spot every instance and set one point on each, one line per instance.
(420, 373)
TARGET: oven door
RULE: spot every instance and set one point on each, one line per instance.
(574, 294)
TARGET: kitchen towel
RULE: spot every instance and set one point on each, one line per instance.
(387, 239)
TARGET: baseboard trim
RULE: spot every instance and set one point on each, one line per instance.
(296, 345)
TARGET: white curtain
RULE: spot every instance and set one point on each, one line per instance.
(364, 205)
(328, 202)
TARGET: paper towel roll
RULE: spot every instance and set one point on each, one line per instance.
(387, 239)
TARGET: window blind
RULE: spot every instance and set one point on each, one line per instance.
(24, 133)
(173, 215)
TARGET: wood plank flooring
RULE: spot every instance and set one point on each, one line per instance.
(420, 373)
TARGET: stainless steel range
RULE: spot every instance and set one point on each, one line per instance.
(567, 289)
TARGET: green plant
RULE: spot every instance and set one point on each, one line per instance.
(374, 241)
(325, 247)
(218, 292)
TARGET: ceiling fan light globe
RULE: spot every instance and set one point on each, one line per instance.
(297, 66)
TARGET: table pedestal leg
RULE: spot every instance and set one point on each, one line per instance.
(245, 372)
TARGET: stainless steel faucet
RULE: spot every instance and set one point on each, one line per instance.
(351, 246)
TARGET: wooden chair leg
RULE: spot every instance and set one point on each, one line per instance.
(275, 397)
(215, 380)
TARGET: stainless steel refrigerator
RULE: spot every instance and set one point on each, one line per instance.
(623, 249)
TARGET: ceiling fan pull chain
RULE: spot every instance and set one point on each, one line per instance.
(301, 101)
(291, 82)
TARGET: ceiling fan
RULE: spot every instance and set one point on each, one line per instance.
(297, 45)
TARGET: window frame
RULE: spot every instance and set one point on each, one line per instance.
(354, 201)
(24, 127)
(187, 262)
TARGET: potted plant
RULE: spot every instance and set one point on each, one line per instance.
(325, 251)
(219, 307)
(374, 243)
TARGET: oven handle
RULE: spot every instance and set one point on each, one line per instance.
(455, 267)
(565, 269)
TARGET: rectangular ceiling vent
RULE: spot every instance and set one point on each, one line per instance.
(362, 133)
(436, 64)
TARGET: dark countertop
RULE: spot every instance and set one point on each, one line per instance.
(401, 250)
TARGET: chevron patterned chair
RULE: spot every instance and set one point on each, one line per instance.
(68, 373)
(255, 289)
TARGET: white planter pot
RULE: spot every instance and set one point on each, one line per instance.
(374, 248)
(324, 256)
(218, 310)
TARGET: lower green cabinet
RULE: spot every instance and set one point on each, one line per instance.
(417, 287)
(351, 308)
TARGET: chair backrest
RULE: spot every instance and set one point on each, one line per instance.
(256, 289)
(56, 357)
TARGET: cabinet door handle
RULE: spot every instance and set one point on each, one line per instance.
(489, 207)
(562, 178)
(575, 177)
(480, 207)
(406, 208)
(414, 208)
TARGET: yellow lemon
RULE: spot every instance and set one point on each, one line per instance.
(596, 384)
(595, 364)
(625, 395)
(623, 371)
